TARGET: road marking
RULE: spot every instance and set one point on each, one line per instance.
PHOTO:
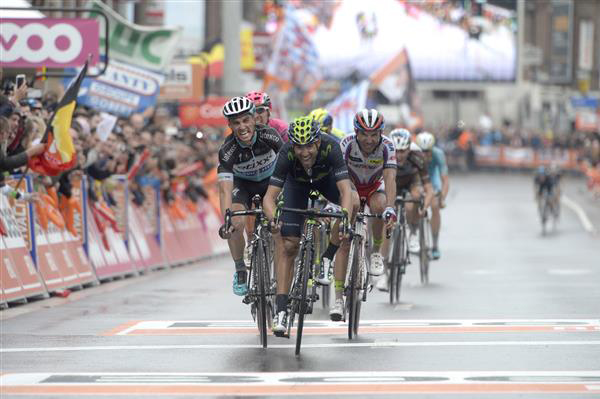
(326, 327)
(373, 344)
(299, 383)
(569, 272)
(583, 217)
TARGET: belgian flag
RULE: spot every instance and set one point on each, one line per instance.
(59, 155)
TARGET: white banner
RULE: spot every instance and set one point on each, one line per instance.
(346, 105)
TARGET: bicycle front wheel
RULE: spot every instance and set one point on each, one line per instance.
(353, 290)
(424, 252)
(303, 300)
(261, 267)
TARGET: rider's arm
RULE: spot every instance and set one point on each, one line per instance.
(428, 195)
(444, 174)
(225, 179)
(272, 138)
(276, 182)
(345, 188)
(270, 201)
(225, 189)
(389, 179)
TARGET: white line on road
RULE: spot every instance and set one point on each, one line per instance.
(376, 344)
(583, 218)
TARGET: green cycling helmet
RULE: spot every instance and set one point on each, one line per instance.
(304, 130)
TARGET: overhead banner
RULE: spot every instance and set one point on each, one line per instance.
(122, 90)
(49, 42)
(182, 81)
(346, 105)
(143, 46)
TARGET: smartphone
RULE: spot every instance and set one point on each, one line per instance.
(20, 80)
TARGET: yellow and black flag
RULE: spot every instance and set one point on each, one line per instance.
(60, 152)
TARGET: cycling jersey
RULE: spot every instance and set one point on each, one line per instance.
(337, 133)
(329, 161)
(413, 166)
(366, 171)
(281, 127)
(437, 168)
(255, 162)
(546, 182)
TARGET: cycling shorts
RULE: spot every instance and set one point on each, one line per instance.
(244, 190)
(366, 191)
(295, 195)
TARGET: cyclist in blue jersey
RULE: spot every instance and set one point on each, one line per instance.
(438, 173)
(246, 161)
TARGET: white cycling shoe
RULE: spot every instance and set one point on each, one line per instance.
(337, 310)
(377, 268)
(382, 283)
(413, 244)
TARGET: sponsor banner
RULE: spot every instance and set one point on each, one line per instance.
(49, 42)
(147, 244)
(208, 112)
(143, 46)
(183, 81)
(124, 89)
(510, 157)
(174, 250)
(561, 41)
(346, 105)
(262, 43)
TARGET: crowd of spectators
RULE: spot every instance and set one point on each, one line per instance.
(170, 154)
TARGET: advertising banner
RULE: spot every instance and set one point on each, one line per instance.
(198, 113)
(124, 89)
(143, 46)
(49, 42)
(183, 81)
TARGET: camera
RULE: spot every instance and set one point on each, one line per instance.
(19, 81)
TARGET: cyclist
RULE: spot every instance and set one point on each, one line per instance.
(325, 120)
(263, 105)
(371, 160)
(309, 161)
(246, 161)
(548, 180)
(438, 173)
(412, 175)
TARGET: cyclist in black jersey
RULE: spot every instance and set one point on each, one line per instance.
(246, 161)
(309, 161)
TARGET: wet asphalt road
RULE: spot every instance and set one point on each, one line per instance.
(509, 312)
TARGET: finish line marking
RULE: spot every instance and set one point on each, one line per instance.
(299, 383)
(326, 327)
(374, 344)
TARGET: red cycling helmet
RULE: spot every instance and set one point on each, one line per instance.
(259, 99)
(368, 120)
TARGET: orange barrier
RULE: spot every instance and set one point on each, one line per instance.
(524, 157)
(40, 258)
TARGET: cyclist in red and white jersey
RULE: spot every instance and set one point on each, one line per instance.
(262, 102)
(371, 160)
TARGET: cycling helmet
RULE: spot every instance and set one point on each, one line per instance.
(304, 130)
(425, 140)
(259, 99)
(401, 138)
(368, 120)
(238, 106)
(322, 116)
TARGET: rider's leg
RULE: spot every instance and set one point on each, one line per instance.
(377, 205)
(341, 258)
(436, 221)
(412, 211)
(286, 249)
(237, 242)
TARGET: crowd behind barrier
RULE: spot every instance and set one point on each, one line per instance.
(512, 149)
(142, 196)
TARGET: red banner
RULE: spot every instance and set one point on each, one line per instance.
(198, 113)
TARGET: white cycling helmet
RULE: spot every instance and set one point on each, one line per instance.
(238, 106)
(401, 139)
(425, 141)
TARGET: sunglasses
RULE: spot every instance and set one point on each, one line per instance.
(260, 110)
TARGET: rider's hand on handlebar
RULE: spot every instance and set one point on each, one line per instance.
(421, 211)
(225, 233)
(389, 217)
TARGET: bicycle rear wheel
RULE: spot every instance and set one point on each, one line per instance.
(424, 252)
(353, 291)
(303, 300)
(401, 259)
(261, 269)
